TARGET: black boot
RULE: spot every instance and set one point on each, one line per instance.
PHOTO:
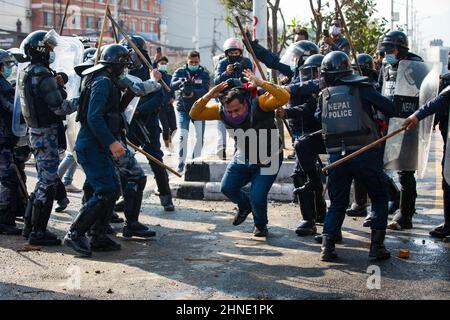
(115, 218)
(100, 240)
(89, 214)
(408, 195)
(359, 206)
(132, 208)
(27, 226)
(443, 230)
(119, 207)
(337, 238)
(328, 253)
(394, 196)
(306, 201)
(320, 205)
(307, 226)
(314, 182)
(8, 224)
(62, 205)
(167, 203)
(40, 215)
(377, 249)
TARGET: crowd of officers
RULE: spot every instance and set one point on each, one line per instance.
(329, 107)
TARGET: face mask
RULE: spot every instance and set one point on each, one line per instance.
(193, 68)
(234, 59)
(334, 30)
(52, 57)
(236, 120)
(162, 67)
(391, 59)
(7, 71)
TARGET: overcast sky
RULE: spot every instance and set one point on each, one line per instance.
(433, 15)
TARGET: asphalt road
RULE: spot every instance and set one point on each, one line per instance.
(198, 254)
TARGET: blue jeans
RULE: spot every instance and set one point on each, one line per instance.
(368, 168)
(67, 167)
(183, 124)
(239, 174)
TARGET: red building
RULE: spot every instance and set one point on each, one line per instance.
(84, 17)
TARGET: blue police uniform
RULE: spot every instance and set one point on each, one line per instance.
(145, 131)
(368, 167)
(43, 108)
(440, 106)
(8, 179)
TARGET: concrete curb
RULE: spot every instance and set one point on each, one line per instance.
(202, 180)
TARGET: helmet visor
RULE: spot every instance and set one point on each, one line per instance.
(293, 55)
(51, 38)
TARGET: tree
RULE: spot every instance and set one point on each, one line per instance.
(243, 9)
(364, 29)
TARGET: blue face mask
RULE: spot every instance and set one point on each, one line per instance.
(52, 57)
(193, 68)
(6, 72)
(391, 59)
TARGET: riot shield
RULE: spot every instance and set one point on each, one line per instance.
(129, 111)
(401, 152)
(69, 53)
(19, 127)
(428, 91)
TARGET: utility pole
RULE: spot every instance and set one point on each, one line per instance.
(392, 15)
(214, 43)
(197, 26)
(407, 18)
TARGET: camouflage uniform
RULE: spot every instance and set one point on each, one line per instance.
(8, 179)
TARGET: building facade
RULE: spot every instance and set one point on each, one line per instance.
(85, 17)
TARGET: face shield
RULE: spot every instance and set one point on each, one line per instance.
(310, 73)
(51, 39)
(135, 61)
(293, 57)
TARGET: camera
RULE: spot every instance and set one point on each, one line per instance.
(186, 88)
(237, 66)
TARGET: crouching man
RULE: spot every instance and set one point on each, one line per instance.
(250, 120)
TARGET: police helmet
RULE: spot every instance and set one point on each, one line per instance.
(311, 65)
(115, 54)
(6, 58)
(298, 52)
(89, 54)
(38, 44)
(335, 65)
(137, 40)
(394, 39)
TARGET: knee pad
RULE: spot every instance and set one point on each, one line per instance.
(136, 186)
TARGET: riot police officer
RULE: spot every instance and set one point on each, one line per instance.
(145, 130)
(100, 150)
(9, 187)
(307, 179)
(345, 107)
(43, 108)
(359, 205)
(396, 48)
(439, 107)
